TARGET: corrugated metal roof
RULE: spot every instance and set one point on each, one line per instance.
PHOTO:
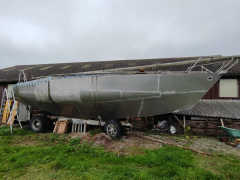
(11, 74)
(215, 108)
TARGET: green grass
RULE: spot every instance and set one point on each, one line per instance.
(26, 155)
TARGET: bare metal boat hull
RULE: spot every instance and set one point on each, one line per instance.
(114, 96)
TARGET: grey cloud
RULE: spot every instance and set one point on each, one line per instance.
(33, 32)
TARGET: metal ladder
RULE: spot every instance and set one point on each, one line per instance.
(9, 109)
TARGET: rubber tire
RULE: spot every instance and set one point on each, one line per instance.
(43, 124)
(117, 126)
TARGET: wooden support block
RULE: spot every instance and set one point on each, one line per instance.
(231, 144)
(237, 141)
(61, 126)
(138, 124)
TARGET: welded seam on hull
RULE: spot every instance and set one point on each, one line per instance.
(121, 94)
(140, 109)
(154, 92)
(173, 92)
(142, 98)
(127, 91)
(92, 90)
(148, 92)
(79, 111)
(96, 102)
(49, 95)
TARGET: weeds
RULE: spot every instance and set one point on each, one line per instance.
(57, 138)
(74, 141)
(95, 131)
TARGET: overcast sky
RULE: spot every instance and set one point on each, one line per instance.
(57, 31)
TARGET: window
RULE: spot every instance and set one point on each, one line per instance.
(228, 88)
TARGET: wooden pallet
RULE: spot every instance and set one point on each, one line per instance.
(61, 126)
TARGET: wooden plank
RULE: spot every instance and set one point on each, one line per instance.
(6, 111)
(212, 124)
(14, 113)
(204, 119)
(221, 122)
(209, 132)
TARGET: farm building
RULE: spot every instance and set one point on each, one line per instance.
(222, 99)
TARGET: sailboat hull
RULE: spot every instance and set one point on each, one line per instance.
(114, 96)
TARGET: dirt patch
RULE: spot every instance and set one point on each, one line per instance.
(129, 145)
(83, 136)
(132, 144)
(100, 139)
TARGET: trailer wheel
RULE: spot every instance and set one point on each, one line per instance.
(39, 124)
(113, 128)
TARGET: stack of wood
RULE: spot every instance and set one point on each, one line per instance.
(206, 126)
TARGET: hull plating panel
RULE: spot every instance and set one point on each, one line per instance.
(116, 96)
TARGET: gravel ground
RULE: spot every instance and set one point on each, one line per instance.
(208, 144)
